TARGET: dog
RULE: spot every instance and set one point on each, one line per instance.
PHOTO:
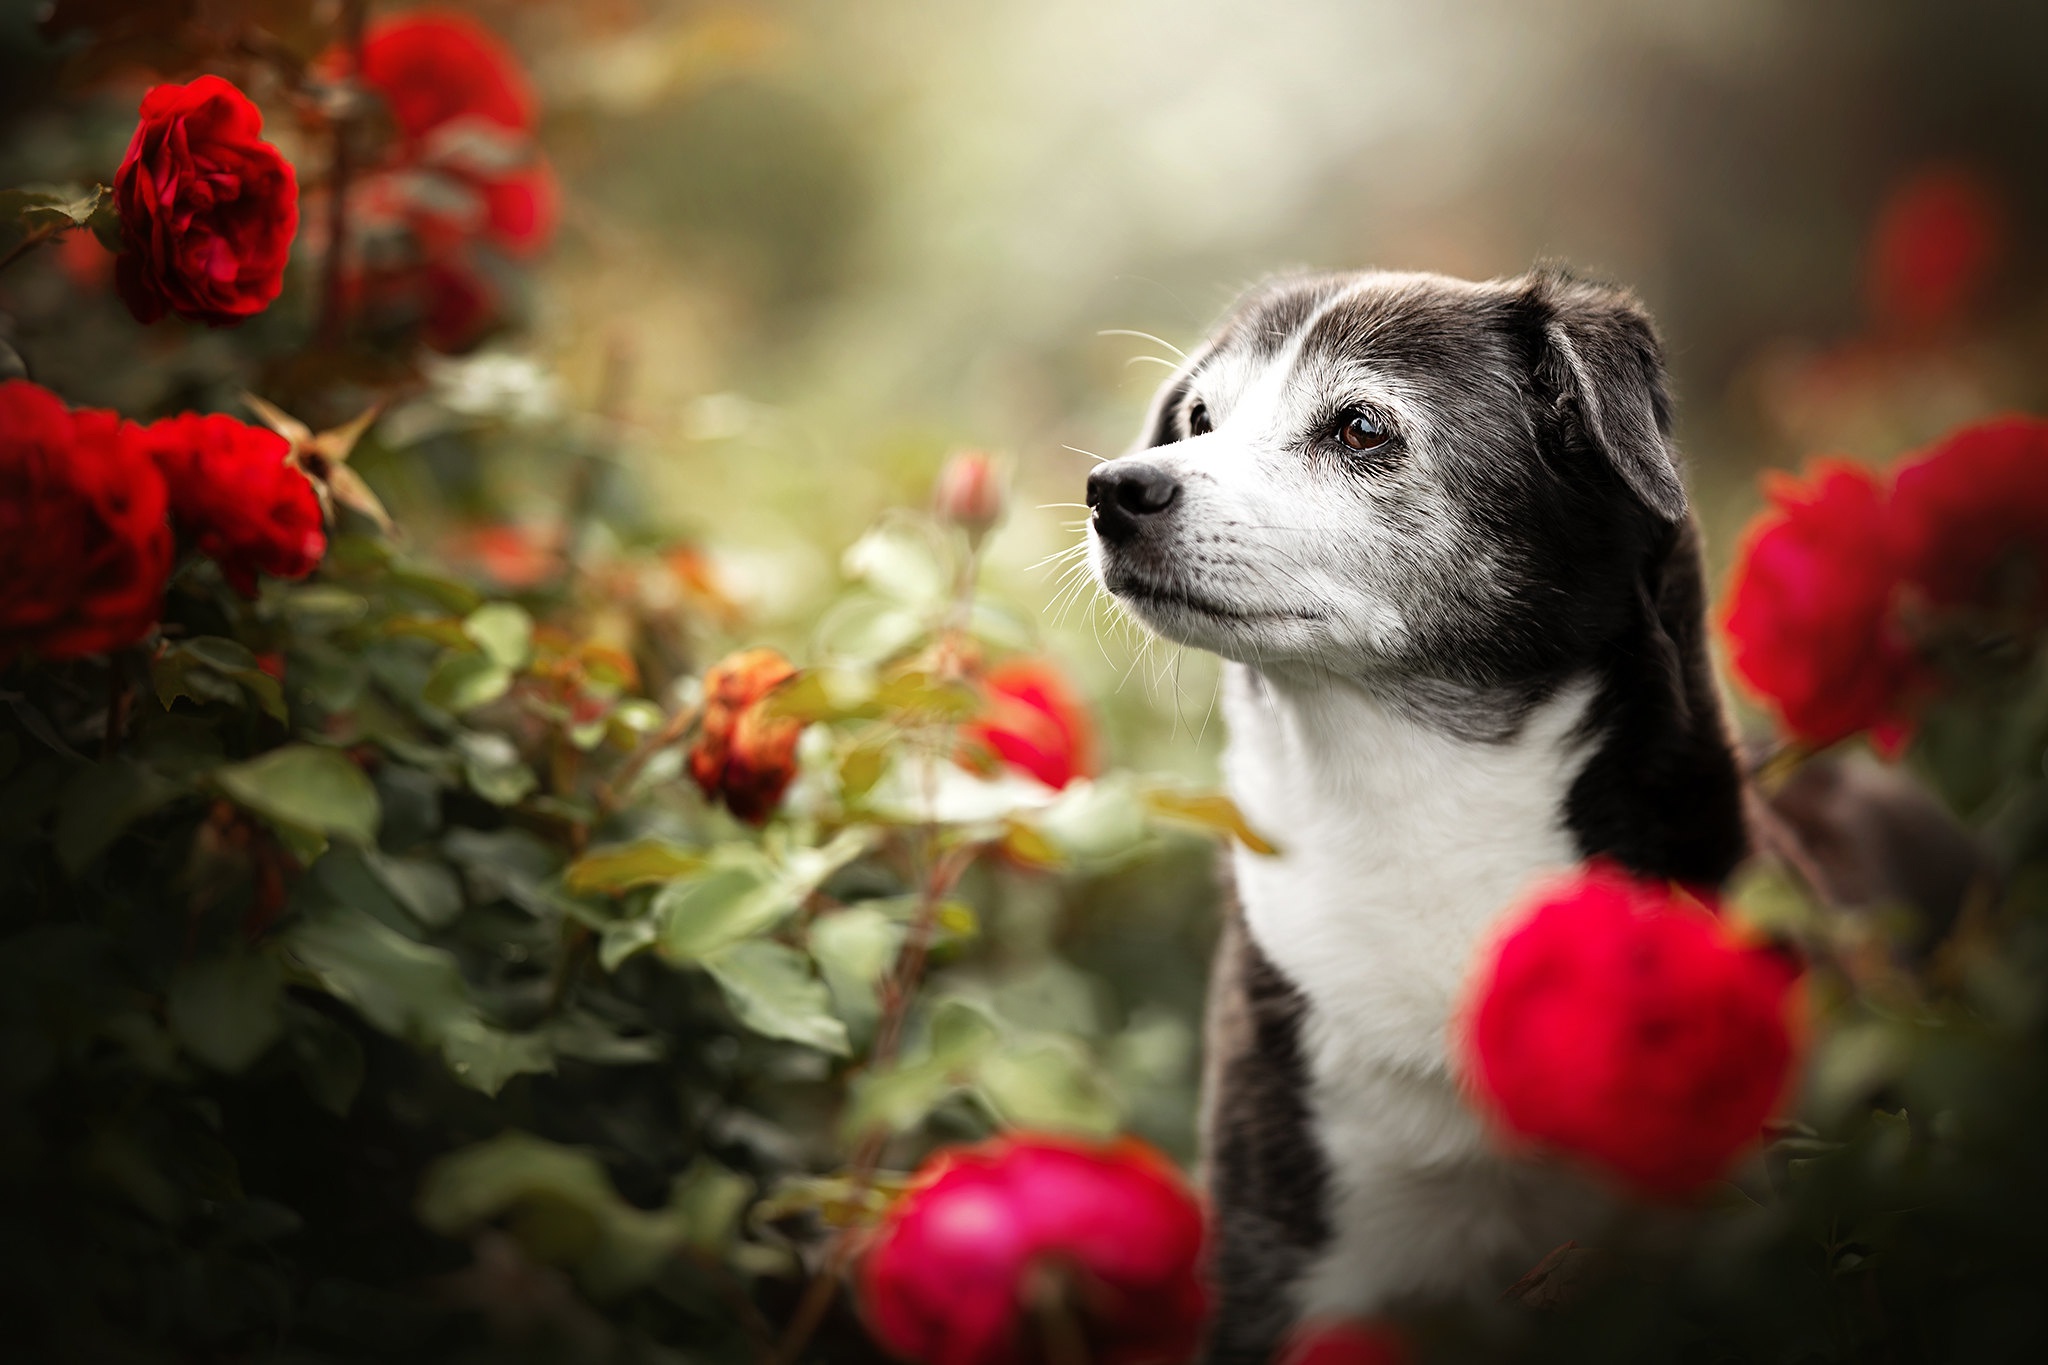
(1438, 531)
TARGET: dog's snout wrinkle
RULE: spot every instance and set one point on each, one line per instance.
(1123, 492)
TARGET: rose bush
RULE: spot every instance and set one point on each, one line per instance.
(208, 209)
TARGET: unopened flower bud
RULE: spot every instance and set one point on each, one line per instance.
(971, 492)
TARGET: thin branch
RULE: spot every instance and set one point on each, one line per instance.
(34, 240)
(333, 270)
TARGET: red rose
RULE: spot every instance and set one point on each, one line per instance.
(85, 550)
(433, 67)
(1007, 1252)
(1345, 1343)
(1035, 724)
(746, 755)
(1937, 240)
(1621, 1022)
(1970, 516)
(208, 208)
(1811, 617)
(234, 493)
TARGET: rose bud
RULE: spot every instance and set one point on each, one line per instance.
(970, 492)
(1621, 1022)
(1029, 1249)
(745, 755)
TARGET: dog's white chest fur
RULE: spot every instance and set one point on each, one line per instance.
(1400, 847)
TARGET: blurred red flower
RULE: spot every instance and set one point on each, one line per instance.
(1620, 1021)
(1345, 1343)
(435, 66)
(992, 1241)
(1034, 723)
(745, 755)
(1810, 616)
(85, 549)
(1936, 241)
(234, 492)
(208, 209)
(1970, 516)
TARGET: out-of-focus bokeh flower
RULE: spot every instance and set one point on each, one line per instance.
(971, 492)
(1933, 249)
(234, 490)
(745, 755)
(463, 172)
(1620, 1021)
(1000, 1254)
(1345, 1343)
(1970, 516)
(512, 556)
(1034, 723)
(208, 208)
(1810, 615)
(85, 547)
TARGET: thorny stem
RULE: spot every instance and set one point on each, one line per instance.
(354, 17)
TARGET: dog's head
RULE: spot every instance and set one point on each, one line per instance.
(1404, 479)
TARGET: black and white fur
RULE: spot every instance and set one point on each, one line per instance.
(1457, 663)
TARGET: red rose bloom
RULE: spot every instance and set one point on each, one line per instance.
(1035, 724)
(1001, 1252)
(234, 493)
(1345, 1343)
(208, 208)
(433, 67)
(1970, 516)
(85, 550)
(744, 754)
(1810, 618)
(1619, 1021)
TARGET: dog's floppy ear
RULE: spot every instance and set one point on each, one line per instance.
(1600, 362)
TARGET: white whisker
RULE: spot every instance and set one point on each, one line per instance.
(1143, 336)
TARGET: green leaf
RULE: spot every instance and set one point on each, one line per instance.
(306, 788)
(1046, 1085)
(330, 1060)
(415, 992)
(430, 892)
(227, 1011)
(100, 801)
(771, 989)
(621, 867)
(735, 896)
(493, 768)
(854, 949)
(561, 1205)
(214, 668)
(462, 682)
(35, 208)
(503, 631)
(903, 561)
(898, 1098)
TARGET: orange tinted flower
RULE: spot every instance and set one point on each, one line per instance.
(745, 755)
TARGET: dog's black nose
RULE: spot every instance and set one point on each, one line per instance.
(1122, 491)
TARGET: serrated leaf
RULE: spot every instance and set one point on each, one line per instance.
(770, 987)
(463, 682)
(227, 1011)
(621, 867)
(736, 895)
(307, 788)
(503, 631)
(214, 668)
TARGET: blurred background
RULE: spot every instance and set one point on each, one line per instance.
(807, 249)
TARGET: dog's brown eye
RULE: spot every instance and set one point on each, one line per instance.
(1361, 432)
(1198, 419)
